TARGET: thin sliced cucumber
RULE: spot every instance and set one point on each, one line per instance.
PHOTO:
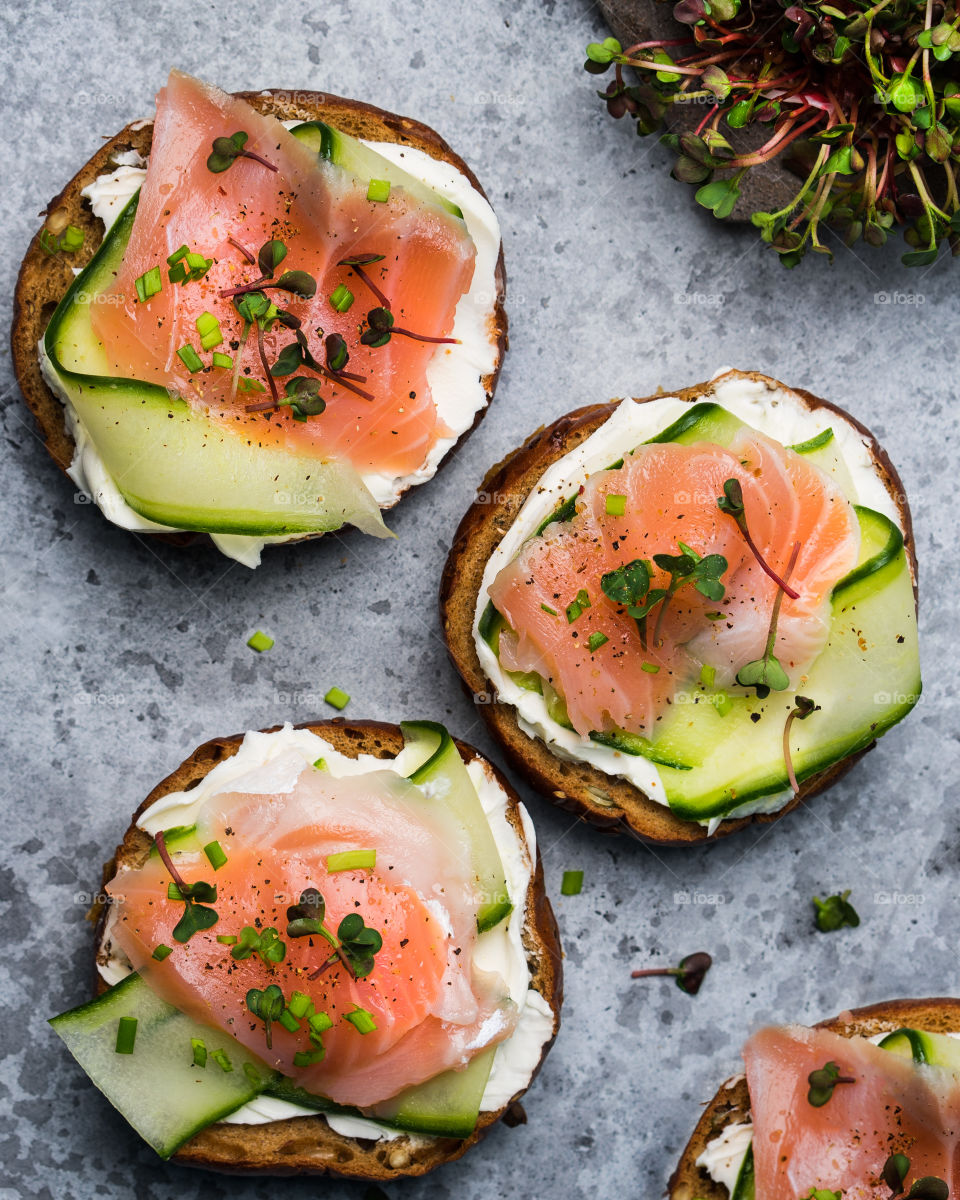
(935, 1049)
(641, 747)
(171, 463)
(158, 1088)
(443, 773)
(745, 1187)
(815, 443)
(704, 422)
(447, 1105)
(364, 162)
(881, 544)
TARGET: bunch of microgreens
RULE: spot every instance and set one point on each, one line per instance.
(629, 585)
(861, 99)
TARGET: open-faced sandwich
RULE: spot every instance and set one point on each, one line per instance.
(690, 611)
(289, 310)
(863, 1107)
(325, 949)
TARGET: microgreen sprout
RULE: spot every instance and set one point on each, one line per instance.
(266, 943)
(803, 708)
(267, 1005)
(861, 100)
(835, 912)
(731, 503)
(689, 974)
(195, 897)
(894, 1175)
(355, 944)
(823, 1081)
(357, 262)
(629, 585)
(381, 328)
(226, 151)
(767, 672)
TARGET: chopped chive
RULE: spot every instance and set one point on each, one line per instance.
(148, 284)
(196, 261)
(352, 860)
(177, 255)
(321, 764)
(341, 298)
(715, 616)
(337, 698)
(221, 1059)
(378, 190)
(289, 1021)
(162, 951)
(307, 1058)
(574, 609)
(722, 703)
(177, 273)
(72, 239)
(126, 1034)
(199, 1052)
(300, 1005)
(596, 640)
(319, 1022)
(583, 598)
(547, 609)
(572, 883)
(49, 242)
(361, 1020)
(707, 675)
(227, 939)
(190, 358)
(616, 506)
(173, 892)
(259, 641)
(650, 668)
(246, 384)
(205, 322)
(208, 341)
(222, 360)
(214, 852)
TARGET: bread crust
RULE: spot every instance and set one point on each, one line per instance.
(307, 1145)
(43, 279)
(609, 803)
(732, 1103)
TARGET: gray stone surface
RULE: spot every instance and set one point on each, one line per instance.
(121, 655)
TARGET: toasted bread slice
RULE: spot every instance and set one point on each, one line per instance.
(731, 1104)
(307, 1145)
(608, 802)
(43, 279)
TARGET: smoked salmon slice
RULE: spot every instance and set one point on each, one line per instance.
(894, 1106)
(668, 495)
(433, 1008)
(322, 214)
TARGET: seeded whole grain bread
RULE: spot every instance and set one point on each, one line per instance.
(43, 279)
(731, 1104)
(607, 802)
(307, 1145)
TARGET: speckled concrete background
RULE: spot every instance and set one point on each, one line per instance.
(121, 655)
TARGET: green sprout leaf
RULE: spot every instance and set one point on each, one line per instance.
(267, 1005)
(822, 1083)
(835, 912)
